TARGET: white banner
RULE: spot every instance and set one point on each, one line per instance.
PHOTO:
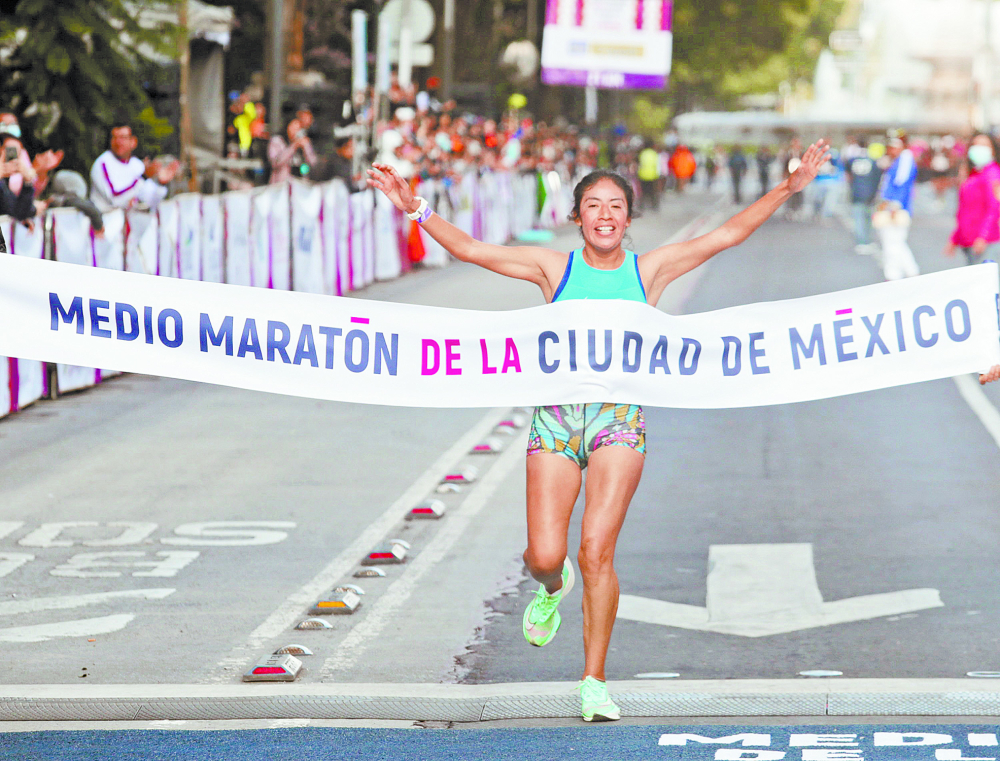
(325, 347)
(345, 349)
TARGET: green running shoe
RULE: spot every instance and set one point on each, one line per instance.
(597, 706)
(541, 619)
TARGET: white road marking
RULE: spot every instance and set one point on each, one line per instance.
(66, 602)
(757, 590)
(975, 397)
(11, 561)
(133, 533)
(84, 627)
(294, 607)
(45, 535)
(9, 527)
(353, 645)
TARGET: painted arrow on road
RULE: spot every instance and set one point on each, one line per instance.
(757, 590)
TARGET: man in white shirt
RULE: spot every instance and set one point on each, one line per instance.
(119, 180)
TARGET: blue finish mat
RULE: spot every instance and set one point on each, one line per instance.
(605, 742)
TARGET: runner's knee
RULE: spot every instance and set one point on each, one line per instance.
(544, 562)
(596, 555)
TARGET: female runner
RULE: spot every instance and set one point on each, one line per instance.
(609, 438)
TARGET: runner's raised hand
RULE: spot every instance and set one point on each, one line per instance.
(812, 160)
(396, 189)
(993, 374)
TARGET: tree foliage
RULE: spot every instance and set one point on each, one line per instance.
(71, 68)
(727, 48)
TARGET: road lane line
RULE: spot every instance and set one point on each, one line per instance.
(399, 592)
(976, 398)
(295, 605)
(81, 627)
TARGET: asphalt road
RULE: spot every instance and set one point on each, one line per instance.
(230, 512)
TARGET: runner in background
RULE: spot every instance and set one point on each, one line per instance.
(895, 212)
(608, 438)
(649, 178)
(683, 166)
(863, 179)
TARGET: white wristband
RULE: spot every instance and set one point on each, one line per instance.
(420, 209)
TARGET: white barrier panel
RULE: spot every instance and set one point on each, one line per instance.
(260, 240)
(336, 238)
(141, 242)
(307, 243)
(109, 248)
(22, 381)
(237, 206)
(6, 229)
(212, 252)
(387, 264)
(71, 244)
(168, 218)
(368, 232)
(357, 267)
(353, 350)
(281, 244)
(189, 236)
(461, 202)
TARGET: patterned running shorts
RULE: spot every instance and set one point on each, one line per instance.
(577, 431)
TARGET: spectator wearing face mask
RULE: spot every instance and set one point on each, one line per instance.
(978, 216)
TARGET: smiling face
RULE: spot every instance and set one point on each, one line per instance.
(603, 216)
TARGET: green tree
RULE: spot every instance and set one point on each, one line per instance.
(73, 67)
(727, 48)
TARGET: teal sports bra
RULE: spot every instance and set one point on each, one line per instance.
(581, 281)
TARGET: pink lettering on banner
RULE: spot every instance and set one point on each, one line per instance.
(511, 358)
(429, 348)
(487, 368)
(451, 356)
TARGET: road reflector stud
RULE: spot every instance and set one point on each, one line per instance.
(465, 475)
(504, 430)
(428, 509)
(449, 489)
(658, 675)
(984, 674)
(516, 420)
(296, 650)
(405, 544)
(275, 668)
(342, 603)
(490, 445)
(369, 573)
(821, 672)
(350, 588)
(385, 554)
(314, 623)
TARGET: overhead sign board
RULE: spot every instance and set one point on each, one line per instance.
(609, 44)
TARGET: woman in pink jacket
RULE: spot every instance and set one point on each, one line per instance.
(978, 205)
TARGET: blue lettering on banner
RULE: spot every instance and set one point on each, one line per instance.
(900, 340)
(161, 328)
(692, 365)
(873, 337)
(147, 323)
(918, 334)
(133, 331)
(572, 350)
(206, 333)
(97, 319)
(350, 339)
(75, 312)
(330, 334)
(547, 367)
(306, 347)
(249, 342)
(756, 354)
(659, 357)
(949, 323)
(636, 340)
(731, 367)
(842, 340)
(592, 351)
(388, 352)
(815, 346)
(278, 336)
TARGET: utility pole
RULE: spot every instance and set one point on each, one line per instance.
(276, 68)
(184, 54)
(986, 91)
(533, 22)
(448, 80)
(405, 64)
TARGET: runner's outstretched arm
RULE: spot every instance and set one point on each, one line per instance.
(537, 265)
(662, 265)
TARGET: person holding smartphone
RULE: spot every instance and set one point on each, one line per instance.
(17, 177)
